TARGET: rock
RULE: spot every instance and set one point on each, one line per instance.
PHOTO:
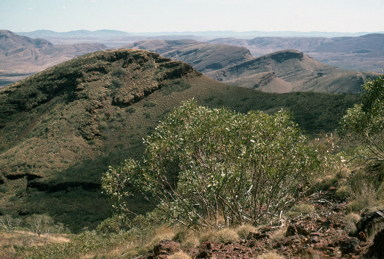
(362, 236)
(166, 247)
(205, 254)
(349, 245)
(254, 235)
(368, 221)
(377, 249)
(210, 245)
(301, 228)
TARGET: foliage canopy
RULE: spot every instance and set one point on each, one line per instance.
(204, 164)
(364, 122)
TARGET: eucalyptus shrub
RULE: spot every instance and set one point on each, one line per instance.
(364, 122)
(204, 164)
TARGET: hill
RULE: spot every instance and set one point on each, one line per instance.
(291, 71)
(60, 129)
(202, 56)
(21, 56)
(363, 53)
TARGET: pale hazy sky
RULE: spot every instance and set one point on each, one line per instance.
(193, 15)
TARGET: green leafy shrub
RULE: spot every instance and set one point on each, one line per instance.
(115, 83)
(114, 224)
(364, 122)
(149, 104)
(118, 72)
(131, 109)
(204, 164)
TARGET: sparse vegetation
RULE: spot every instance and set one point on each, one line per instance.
(56, 146)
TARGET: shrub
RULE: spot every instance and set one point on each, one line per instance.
(149, 104)
(131, 109)
(364, 122)
(202, 164)
(118, 72)
(103, 126)
(115, 83)
(114, 224)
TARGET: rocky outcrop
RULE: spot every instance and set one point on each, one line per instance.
(321, 234)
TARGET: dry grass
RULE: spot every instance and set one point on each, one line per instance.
(298, 209)
(270, 255)
(222, 236)
(179, 255)
(351, 220)
(364, 197)
(278, 234)
(12, 242)
(343, 192)
(244, 230)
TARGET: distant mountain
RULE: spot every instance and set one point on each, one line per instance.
(61, 128)
(21, 56)
(363, 44)
(283, 71)
(75, 34)
(202, 56)
(205, 34)
(10, 41)
(291, 71)
(363, 53)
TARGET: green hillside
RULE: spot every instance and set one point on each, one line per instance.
(61, 128)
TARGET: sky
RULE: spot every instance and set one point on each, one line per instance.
(193, 15)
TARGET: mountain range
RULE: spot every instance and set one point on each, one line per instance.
(207, 34)
(21, 56)
(281, 71)
(362, 53)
